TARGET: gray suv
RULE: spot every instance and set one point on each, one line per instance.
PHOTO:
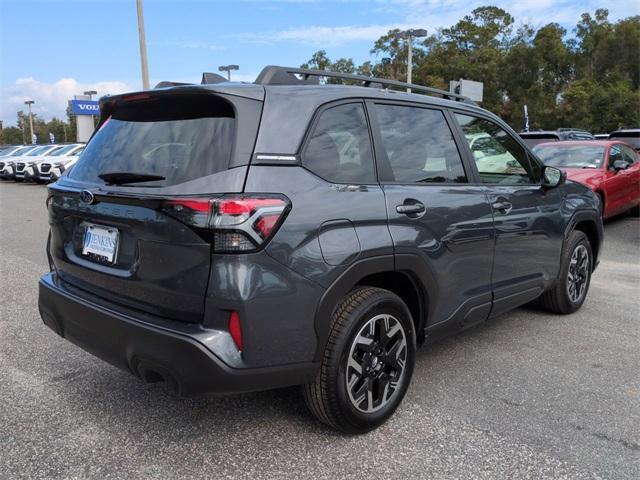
(232, 237)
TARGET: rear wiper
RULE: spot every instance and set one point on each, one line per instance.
(121, 178)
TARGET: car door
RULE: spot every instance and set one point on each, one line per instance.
(527, 218)
(632, 175)
(440, 224)
(617, 184)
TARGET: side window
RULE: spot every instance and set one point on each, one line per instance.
(498, 156)
(419, 145)
(615, 154)
(339, 148)
(629, 154)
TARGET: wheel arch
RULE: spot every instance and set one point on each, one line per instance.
(376, 272)
(590, 223)
(405, 286)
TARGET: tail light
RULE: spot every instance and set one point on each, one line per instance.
(234, 223)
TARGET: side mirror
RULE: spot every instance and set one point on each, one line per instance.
(620, 165)
(553, 177)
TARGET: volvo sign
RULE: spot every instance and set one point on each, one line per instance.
(85, 107)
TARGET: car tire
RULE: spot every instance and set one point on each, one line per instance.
(367, 363)
(635, 211)
(569, 293)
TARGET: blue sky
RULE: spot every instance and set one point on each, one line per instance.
(50, 50)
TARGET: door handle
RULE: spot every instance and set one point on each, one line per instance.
(411, 208)
(502, 206)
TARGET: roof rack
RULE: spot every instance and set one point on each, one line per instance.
(275, 75)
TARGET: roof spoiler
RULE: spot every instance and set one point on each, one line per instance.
(208, 78)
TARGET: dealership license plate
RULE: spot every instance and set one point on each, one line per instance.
(101, 242)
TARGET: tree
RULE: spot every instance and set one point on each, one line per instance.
(590, 81)
(320, 61)
(11, 136)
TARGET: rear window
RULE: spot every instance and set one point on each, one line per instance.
(533, 140)
(179, 137)
(631, 138)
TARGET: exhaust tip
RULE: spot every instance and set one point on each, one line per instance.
(150, 372)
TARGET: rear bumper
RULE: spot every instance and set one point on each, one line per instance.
(162, 350)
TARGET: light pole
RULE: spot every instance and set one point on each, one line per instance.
(228, 68)
(29, 103)
(143, 47)
(408, 36)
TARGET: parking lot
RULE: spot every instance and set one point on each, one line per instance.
(528, 395)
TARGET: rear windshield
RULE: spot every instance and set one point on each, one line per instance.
(533, 141)
(180, 137)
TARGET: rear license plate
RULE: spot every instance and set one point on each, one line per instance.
(101, 242)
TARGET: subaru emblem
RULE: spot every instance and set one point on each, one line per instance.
(87, 197)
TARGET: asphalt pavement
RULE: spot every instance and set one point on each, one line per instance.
(528, 395)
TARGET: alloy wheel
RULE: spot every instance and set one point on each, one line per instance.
(376, 363)
(578, 275)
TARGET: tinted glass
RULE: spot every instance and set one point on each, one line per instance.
(629, 154)
(419, 145)
(615, 154)
(339, 148)
(498, 156)
(532, 142)
(180, 137)
(570, 156)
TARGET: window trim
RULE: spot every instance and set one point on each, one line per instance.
(385, 172)
(482, 115)
(311, 127)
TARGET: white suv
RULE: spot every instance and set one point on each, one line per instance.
(25, 164)
(53, 165)
(8, 161)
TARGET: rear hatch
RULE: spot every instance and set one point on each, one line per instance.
(534, 138)
(130, 221)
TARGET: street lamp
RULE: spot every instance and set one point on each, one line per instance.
(29, 103)
(143, 47)
(408, 36)
(228, 68)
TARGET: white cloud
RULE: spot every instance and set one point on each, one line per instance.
(322, 36)
(434, 14)
(50, 98)
(188, 44)
(334, 35)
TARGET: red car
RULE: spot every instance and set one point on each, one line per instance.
(610, 168)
